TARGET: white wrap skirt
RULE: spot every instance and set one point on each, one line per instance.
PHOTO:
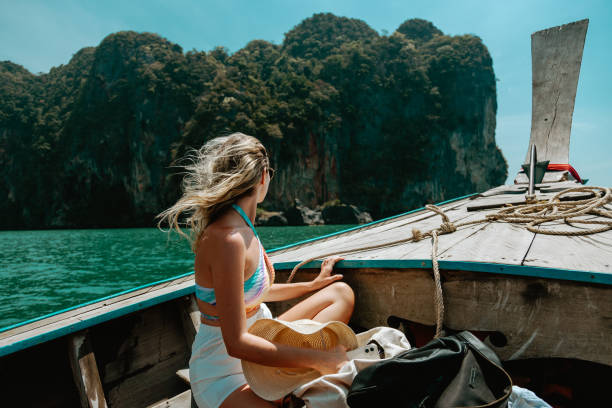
(213, 374)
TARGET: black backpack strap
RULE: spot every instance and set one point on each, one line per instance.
(478, 345)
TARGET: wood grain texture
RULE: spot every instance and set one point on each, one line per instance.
(488, 242)
(538, 317)
(591, 253)
(380, 232)
(96, 309)
(190, 318)
(85, 371)
(183, 400)
(494, 243)
(140, 355)
(556, 55)
(425, 221)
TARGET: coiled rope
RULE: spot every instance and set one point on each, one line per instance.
(532, 215)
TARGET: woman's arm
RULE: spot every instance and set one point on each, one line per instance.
(228, 279)
(284, 291)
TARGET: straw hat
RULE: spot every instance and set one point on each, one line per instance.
(272, 383)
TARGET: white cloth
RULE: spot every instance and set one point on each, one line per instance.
(213, 374)
(330, 391)
(524, 398)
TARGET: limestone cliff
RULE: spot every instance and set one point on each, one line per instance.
(386, 123)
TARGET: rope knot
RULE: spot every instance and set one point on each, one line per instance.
(416, 235)
(447, 227)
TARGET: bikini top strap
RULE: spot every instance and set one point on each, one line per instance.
(245, 217)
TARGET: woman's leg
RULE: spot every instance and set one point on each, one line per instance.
(333, 302)
(245, 397)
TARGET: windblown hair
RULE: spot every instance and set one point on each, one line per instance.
(223, 170)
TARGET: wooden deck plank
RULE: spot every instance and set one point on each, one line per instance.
(587, 253)
(365, 234)
(52, 320)
(425, 221)
(103, 311)
(495, 243)
(85, 371)
(417, 250)
(183, 400)
(371, 236)
(422, 249)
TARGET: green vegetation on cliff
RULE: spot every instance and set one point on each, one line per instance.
(383, 122)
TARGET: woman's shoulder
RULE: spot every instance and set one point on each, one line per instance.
(220, 236)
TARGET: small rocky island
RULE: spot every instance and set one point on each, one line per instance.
(359, 125)
(330, 213)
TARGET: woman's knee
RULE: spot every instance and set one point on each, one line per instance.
(343, 291)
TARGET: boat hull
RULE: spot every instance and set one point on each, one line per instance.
(534, 317)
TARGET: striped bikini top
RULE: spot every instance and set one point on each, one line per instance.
(254, 288)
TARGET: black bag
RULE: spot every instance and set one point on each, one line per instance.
(452, 371)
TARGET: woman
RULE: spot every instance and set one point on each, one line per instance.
(229, 176)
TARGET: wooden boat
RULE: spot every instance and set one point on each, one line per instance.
(542, 302)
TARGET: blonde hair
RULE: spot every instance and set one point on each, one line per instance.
(223, 170)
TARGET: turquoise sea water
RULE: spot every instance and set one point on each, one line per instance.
(45, 271)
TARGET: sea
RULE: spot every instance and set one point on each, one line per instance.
(45, 271)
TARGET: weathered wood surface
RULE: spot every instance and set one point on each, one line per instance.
(538, 317)
(486, 242)
(183, 400)
(370, 235)
(85, 371)
(401, 228)
(183, 374)
(139, 355)
(493, 243)
(556, 55)
(190, 317)
(71, 317)
(572, 252)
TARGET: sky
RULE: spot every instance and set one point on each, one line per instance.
(43, 34)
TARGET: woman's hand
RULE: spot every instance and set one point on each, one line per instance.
(332, 360)
(325, 277)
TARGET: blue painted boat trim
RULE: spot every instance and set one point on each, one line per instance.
(12, 348)
(366, 225)
(3, 329)
(518, 270)
(503, 269)
(44, 337)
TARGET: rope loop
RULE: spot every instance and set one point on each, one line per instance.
(532, 215)
(438, 211)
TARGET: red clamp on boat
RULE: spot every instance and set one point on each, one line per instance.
(561, 167)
